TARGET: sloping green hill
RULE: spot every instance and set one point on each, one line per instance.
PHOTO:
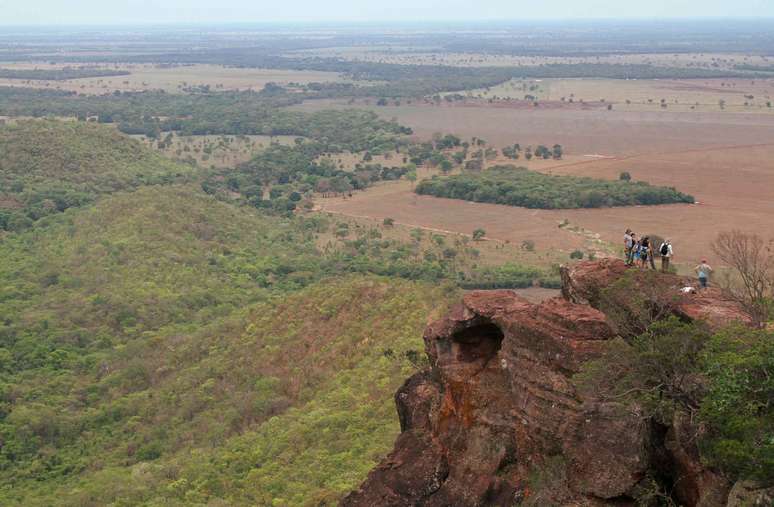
(165, 348)
(49, 166)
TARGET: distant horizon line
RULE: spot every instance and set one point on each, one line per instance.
(355, 22)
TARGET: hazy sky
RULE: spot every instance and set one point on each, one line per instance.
(14, 12)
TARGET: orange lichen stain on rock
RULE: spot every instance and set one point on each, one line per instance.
(457, 405)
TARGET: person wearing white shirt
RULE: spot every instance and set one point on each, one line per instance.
(666, 255)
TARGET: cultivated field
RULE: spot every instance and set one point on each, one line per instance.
(173, 79)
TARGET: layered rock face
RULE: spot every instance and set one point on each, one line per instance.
(498, 402)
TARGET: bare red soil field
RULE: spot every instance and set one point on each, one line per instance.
(734, 188)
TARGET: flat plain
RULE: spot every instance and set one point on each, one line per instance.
(172, 79)
(725, 159)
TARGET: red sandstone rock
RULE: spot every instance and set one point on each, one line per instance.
(504, 367)
(713, 307)
(499, 400)
(585, 282)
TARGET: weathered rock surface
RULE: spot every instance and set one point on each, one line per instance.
(584, 283)
(498, 401)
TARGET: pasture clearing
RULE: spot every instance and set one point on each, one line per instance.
(730, 95)
(173, 79)
(581, 130)
(733, 186)
(213, 151)
(429, 55)
(726, 160)
(507, 228)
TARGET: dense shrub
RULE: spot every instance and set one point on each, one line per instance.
(738, 408)
(680, 369)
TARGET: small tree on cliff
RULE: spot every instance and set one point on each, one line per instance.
(752, 261)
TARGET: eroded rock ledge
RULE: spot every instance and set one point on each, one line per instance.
(498, 402)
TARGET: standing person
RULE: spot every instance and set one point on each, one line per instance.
(628, 244)
(666, 255)
(643, 250)
(635, 250)
(648, 253)
(704, 271)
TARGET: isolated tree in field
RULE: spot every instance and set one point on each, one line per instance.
(557, 151)
(388, 222)
(412, 176)
(625, 176)
(479, 234)
(752, 259)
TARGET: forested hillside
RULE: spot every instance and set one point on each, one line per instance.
(159, 345)
(156, 346)
(49, 166)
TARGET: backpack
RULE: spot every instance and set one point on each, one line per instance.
(664, 249)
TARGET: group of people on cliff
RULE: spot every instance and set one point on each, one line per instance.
(641, 252)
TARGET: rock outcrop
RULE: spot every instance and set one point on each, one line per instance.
(585, 282)
(498, 402)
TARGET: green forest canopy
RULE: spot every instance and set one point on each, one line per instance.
(518, 186)
(49, 166)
